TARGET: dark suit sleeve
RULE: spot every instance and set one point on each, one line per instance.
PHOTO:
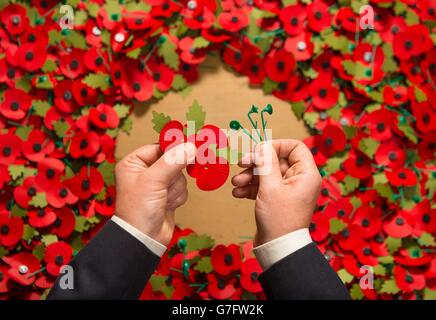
(114, 265)
(304, 274)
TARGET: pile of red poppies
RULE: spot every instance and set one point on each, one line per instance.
(366, 94)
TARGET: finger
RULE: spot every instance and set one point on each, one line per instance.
(167, 167)
(267, 165)
(249, 192)
(297, 154)
(247, 161)
(179, 201)
(177, 188)
(144, 156)
(244, 178)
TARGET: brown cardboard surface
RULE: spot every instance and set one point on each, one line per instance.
(224, 96)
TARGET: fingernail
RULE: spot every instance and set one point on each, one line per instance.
(191, 151)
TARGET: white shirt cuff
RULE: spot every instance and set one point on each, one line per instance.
(154, 246)
(275, 250)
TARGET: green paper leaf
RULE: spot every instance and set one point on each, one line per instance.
(196, 114)
(200, 43)
(393, 244)
(28, 233)
(269, 86)
(368, 146)
(93, 9)
(97, 81)
(167, 51)
(17, 211)
(204, 265)
(75, 40)
(298, 108)
(107, 171)
(429, 294)
(61, 128)
(48, 239)
(427, 240)
(157, 282)
(122, 110)
(379, 270)
(311, 118)
(40, 107)
(337, 225)
(345, 276)
(386, 259)
(39, 200)
(49, 66)
(23, 83)
(39, 252)
(350, 184)
(408, 131)
(126, 125)
(179, 82)
(23, 132)
(390, 287)
(134, 54)
(159, 121)
(16, 171)
(80, 18)
(101, 195)
(3, 252)
(334, 164)
(356, 292)
(385, 191)
(198, 242)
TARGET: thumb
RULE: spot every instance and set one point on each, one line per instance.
(267, 165)
(173, 161)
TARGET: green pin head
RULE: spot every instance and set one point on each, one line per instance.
(235, 125)
(182, 244)
(253, 109)
(268, 109)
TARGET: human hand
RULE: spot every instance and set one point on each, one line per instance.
(150, 186)
(286, 191)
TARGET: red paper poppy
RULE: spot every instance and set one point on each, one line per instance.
(300, 46)
(204, 20)
(369, 220)
(49, 171)
(14, 18)
(9, 73)
(320, 158)
(104, 116)
(210, 175)
(45, 281)
(71, 63)
(11, 230)
(402, 177)
(250, 271)
(427, 146)
(358, 165)
(23, 267)
(84, 144)
(136, 82)
(64, 97)
(380, 124)
(279, 65)
(233, 21)
(398, 226)
(424, 217)
(365, 255)
(37, 146)
(107, 206)
(226, 259)
(407, 281)
(96, 60)
(324, 95)
(41, 218)
(331, 141)
(16, 103)
(189, 54)
(56, 255)
(171, 135)
(347, 19)
(5, 284)
(83, 94)
(219, 288)
(161, 74)
(254, 71)
(425, 117)
(412, 42)
(318, 16)
(31, 56)
(64, 223)
(369, 55)
(24, 193)
(395, 96)
(59, 195)
(379, 247)
(391, 155)
(89, 181)
(293, 19)
(319, 227)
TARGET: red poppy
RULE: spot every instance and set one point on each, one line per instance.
(84, 144)
(96, 60)
(347, 19)
(83, 94)
(368, 219)
(407, 281)
(41, 218)
(11, 230)
(71, 63)
(300, 46)
(203, 20)
(320, 158)
(380, 123)
(254, 71)
(250, 271)
(365, 255)
(402, 177)
(14, 18)
(219, 288)
(233, 21)
(425, 117)
(319, 227)
(369, 55)
(189, 72)
(424, 217)
(412, 42)
(171, 135)
(64, 97)
(107, 206)
(397, 25)
(378, 246)
(427, 146)
(189, 54)
(89, 181)
(24, 193)
(342, 208)
(24, 267)
(104, 116)
(226, 259)
(5, 284)
(136, 82)
(395, 96)
(358, 165)
(318, 16)
(37, 146)
(9, 73)
(64, 223)
(49, 171)
(56, 255)
(45, 281)
(31, 56)
(161, 74)
(293, 18)
(209, 175)
(279, 65)
(398, 226)
(324, 95)
(16, 103)
(59, 195)
(391, 155)
(331, 141)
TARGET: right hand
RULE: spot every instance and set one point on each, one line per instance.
(285, 197)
